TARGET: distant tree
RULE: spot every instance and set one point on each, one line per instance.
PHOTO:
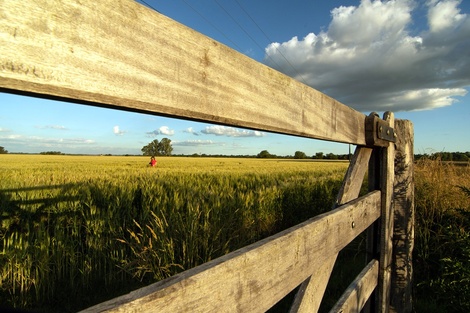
(451, 156)
(3, 151)
(319, 155)
(164, 147)
(158, 148)
(459, 156)
(265, 154)
(51, 153)
(151, 148)
(300, 155)
(331, 156)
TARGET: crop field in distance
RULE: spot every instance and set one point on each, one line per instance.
(78, 230)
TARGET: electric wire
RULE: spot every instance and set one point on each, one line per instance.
(269, 39)
(203, 17)
(244, 31)
(149, 6)
(212, 25)
(238, 24)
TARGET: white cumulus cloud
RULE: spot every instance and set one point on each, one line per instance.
(195, 143)
(443, 15)
(165, 130)
(190, 130)
(368, 57)
(57, 127)
(231, 132)
(117, 131)
(36, 141)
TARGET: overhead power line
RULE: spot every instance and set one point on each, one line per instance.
(269, 39)
(149, 6)
(202, 16)
(244, 31)
(212, 25)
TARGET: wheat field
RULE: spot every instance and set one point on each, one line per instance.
(77, 230)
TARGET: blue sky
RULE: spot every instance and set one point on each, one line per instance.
(409, 57)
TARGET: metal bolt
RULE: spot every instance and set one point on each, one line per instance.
(353, 224)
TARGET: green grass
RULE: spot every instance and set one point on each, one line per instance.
(75, 225)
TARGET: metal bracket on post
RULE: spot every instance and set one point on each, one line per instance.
(378, 132)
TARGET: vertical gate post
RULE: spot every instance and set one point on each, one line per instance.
(381, 176)
(386, 221)
(403, 206)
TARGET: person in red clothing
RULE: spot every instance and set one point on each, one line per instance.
(153, 162)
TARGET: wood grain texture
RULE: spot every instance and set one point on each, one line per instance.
(254, 278)
(310, 294)
(373, 232)
(120, 54)
(311, 291)
(359, 291)
(404, 215)
(354, 177)
(386, 222)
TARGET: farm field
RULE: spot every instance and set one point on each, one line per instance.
(77, 230)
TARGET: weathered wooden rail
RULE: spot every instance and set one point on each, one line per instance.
(121, 55)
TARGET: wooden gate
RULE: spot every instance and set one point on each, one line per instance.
(121, 55)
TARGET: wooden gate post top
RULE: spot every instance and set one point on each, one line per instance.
(379, 132)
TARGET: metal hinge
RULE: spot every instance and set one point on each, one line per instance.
(378, 132)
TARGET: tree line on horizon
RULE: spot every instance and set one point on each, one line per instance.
(164, 148)
(446, 156)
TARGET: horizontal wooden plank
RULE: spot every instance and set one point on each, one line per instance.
(254, 278)
(359, 291)
(124, 55)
